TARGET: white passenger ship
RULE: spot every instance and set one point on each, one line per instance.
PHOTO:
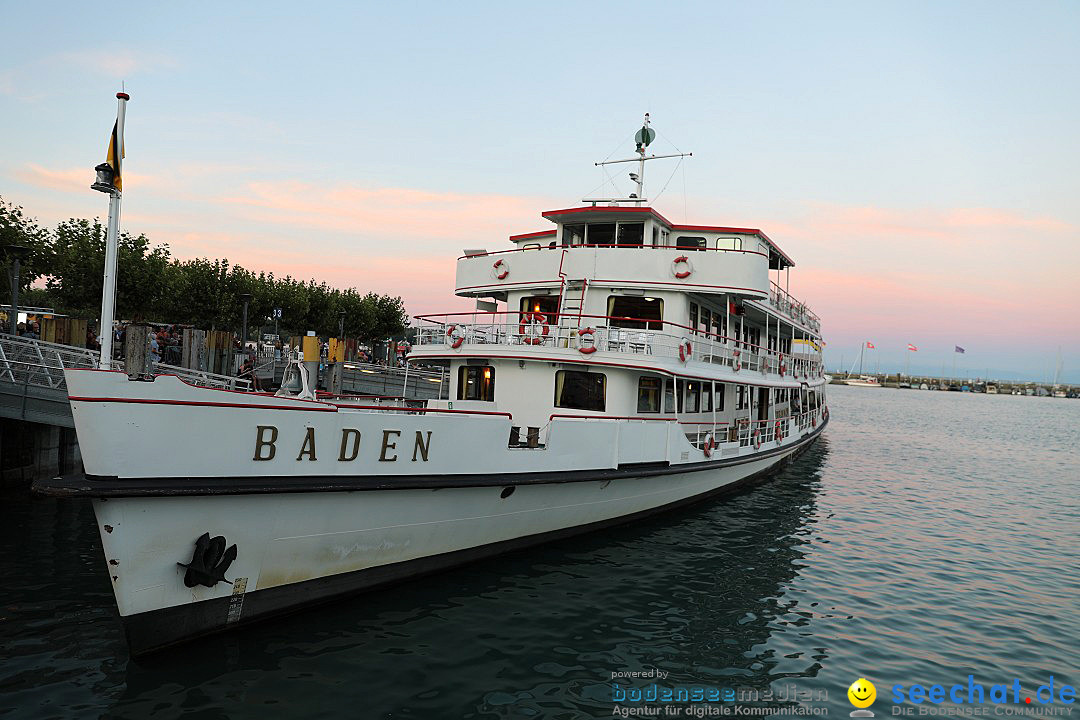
(635, 365)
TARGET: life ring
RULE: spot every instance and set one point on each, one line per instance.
(757, 438)
(582, 334)
(531, 320)
(500, 269)
(685, 349)
(456, 335)
(824, 414)
(681, 274)
(735, 362)
(709, 445)
(783, 367)
(779, 432)
(813, 421)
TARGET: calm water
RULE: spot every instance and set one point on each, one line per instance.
(928, 536)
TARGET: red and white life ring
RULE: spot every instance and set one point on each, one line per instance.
(456, 336)
(783, 367)
(685, 349)
(757, 438)
(709, 445)
(500, 269)
(813, 420)
(582, 334)
(735, 363)
(681, 273)
(779, 432)
(530, 321)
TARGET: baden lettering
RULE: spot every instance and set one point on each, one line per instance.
(308, 448)
(421, 445)
(346, 433)
(262, 442)
(387, 445)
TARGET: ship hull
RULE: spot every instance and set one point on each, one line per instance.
(299, 549)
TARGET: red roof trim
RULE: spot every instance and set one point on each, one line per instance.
(528, 236)
(606, 209)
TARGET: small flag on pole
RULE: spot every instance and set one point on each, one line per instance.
(959, 349)
(869, 345)
(912, 348)
(113, 159)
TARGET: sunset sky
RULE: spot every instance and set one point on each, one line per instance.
(919, 161)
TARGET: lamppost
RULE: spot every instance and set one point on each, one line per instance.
(341, 324)
(17, 252)
(246, 297)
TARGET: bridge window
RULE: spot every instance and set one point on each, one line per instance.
(601, 234)
(629, 311)
(690, 243)
(476, 382)
(732, 243)
(648, 395)
(580, 390)
(631, 234)
(573, 234)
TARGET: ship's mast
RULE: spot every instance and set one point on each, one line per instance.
(643, 138)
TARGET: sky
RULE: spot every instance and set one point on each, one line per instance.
(918, 160)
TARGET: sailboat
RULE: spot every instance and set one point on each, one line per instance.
(862, 380)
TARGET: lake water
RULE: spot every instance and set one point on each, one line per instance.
(926, 537)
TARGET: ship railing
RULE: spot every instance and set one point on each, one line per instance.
(610, 334)
(781, 300)
(588, 246)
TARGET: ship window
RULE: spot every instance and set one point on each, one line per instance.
(669, 397)
(573, 234)
(693, 315)
(719, 325)
(642, 313)
(742, 397)
(476, 382)
(655, 236)
(733, 243)
(706, 397)
(580, 390)
(703, 320)
(601, 234)
(718, 393)
(547, 304)
(648, 395)
(690, 243)
(631, 234)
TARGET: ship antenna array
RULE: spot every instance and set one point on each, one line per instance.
(643, 139)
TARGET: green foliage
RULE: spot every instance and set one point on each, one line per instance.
(153, 286)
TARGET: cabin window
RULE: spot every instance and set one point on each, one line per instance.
(704, 320)
(718, 393)
(601, 234)
(631, 234)
(695, 397)
(573, 234)
(742, 397)
(580, 390)
(648, 395)
(733, 243)
(693, 315)
(706, 397)
(655, 236)
(546, 304)
(669, 397)
(476, 382)
(631, 311)
(690, 243)
(719, 325)
(531, 246)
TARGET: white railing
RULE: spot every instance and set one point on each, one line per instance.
(504, 329)
(36, 362)
(780, 300)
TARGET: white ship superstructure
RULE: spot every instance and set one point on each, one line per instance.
(618, 365)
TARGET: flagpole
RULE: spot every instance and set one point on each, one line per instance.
(108, 289)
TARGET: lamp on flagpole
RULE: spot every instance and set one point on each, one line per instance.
(105, 182)
(17, 253)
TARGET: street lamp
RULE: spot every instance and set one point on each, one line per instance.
(246, 297)
(341, 324)
(17, 252)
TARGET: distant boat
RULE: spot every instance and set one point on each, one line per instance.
(862, 380)
(924, 386)
(991, 390)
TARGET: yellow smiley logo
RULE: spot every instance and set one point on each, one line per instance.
(862, 693)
